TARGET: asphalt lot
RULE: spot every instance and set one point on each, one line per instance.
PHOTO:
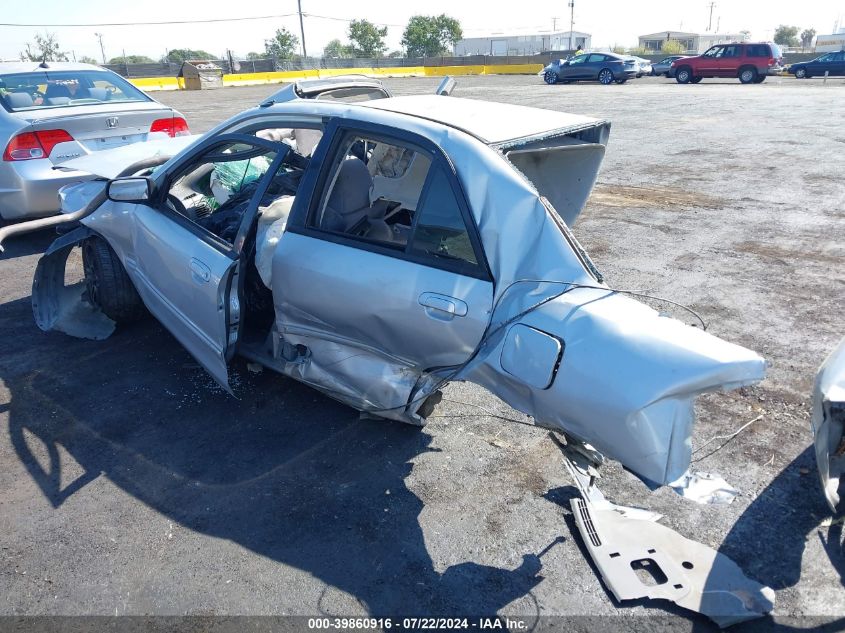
(131, 484)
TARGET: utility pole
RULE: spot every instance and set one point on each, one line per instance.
(102, 50)
(554, 25)
(301, 28)
(710, 24)
(571, 21)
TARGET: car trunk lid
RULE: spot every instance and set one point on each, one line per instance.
(93, 128)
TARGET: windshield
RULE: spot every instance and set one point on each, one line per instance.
(60, 89)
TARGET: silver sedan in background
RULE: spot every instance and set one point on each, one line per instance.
(53, 112)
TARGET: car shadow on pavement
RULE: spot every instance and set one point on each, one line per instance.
(281, 470)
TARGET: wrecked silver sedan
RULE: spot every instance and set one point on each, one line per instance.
(377, 251)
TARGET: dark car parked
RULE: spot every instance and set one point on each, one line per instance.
(830, 63)
(664, 66)
(602, 67)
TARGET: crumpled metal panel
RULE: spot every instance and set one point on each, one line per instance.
(828, 422)
(643, 559)
(627, 380)
(65, 308)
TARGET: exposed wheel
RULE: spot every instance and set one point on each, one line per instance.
(760, 79)
(621, 80)
(683, 75)
(606, 76)
(109, 287)
(696, 80)
(801, 73)
(747, 75)
(550, 77)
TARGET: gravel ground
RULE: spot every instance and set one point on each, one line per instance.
(131, 484)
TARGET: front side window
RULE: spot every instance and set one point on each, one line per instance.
(57, 89)
(715, 51)
(578, 59)
(395, 196)
(731, 51)
(214, 191)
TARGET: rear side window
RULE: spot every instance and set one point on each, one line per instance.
(398, 199)
(441, 231)
(757, 50)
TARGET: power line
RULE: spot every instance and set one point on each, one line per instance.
(329, 17)
(257, 17)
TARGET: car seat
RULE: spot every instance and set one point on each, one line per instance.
(349, 201)
(19, 100)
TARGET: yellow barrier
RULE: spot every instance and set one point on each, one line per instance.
(283, 76)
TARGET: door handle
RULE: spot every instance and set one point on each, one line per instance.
(199, 271)
(442, 306)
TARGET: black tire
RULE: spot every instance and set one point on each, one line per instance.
(109, 287)
(747, 75)
(606, 76)
(801, 73)
(550, 77)
(696, 80)
(683, 75)
(760, 79)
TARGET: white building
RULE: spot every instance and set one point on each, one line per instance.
(829, 43)
(694, 43)
(522, 44)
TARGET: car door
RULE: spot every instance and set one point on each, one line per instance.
(594, 64)
(380, 274)
(186, 273)
(576, 68)
(729, 60)
(708, 65)
(837, 64)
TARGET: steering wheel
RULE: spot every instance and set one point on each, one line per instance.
(177, 205)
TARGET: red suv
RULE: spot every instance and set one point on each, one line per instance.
(750, 63)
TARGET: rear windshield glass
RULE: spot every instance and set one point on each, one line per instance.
(61, 89)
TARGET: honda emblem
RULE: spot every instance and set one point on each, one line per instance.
(111, 122)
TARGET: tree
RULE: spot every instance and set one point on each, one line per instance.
(746, 35)
(282, 45)
(179, 55)
(45, 49)
(807, 36)
(88, 60)
(672, 47)
(253, 55)
(429, 36)
(131, 59)
(786, 35)
(335, 49)
(367, 40)
(395, 54)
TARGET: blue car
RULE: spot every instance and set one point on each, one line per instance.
(831, 63)
(602, 67)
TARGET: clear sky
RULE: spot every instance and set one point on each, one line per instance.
(609, 21)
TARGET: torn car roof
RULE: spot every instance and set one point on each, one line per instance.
(493, 123)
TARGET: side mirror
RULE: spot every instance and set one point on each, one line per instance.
(446, 86)
(129, 189)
